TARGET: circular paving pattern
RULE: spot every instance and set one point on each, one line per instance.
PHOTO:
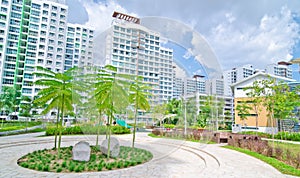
(171, 158)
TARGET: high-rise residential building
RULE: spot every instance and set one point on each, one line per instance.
(35, 33)
(136, 50)
(178, 87)
(234, 75)
(193, 85)
(79, 46)
(281, 69)
(214, 86)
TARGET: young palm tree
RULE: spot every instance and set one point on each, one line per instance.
(110, 94)
(139, 98)
(59, 91)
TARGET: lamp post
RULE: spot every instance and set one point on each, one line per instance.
(184, 102)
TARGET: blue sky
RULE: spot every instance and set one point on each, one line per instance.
(257, 32)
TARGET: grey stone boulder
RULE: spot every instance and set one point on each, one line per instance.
(114, 147)
(81, 151)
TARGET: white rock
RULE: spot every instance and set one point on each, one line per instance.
(81, 151)
(114, 147)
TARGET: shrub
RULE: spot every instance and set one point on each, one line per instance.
(293, 136)
(87, 129)
(59, 169)
(157, 132)
(278, 153)
(46, 168)
(171, 126)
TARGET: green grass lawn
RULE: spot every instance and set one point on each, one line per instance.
(16, 125)
(280, 166)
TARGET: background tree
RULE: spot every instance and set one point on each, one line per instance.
(174, 106)
(206, 109)
(256, 93)
(6, 101)
(243, 110)
(279, 100)
(159, 112)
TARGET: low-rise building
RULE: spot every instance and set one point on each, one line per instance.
(240, 96)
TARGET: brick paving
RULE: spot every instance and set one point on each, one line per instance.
(172, 159)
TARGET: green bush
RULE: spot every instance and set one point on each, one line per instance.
(87, 129)
(171, 126)
(293, 136)
(260, 134)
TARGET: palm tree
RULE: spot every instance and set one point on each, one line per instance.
(59, 91)
(139, 98)
(110, 93)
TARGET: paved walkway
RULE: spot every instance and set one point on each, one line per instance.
(172, 159)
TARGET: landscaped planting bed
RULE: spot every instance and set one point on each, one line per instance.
(275, 153)
(47, 160)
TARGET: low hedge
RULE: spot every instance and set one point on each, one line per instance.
(293, 136)
(87, 129)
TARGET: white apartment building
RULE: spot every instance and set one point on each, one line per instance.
(134, 49)
(281, 69)
(34, 33)
(234, 75)
(79, 46)
(215, 86)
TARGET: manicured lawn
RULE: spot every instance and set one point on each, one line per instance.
(9, 126)
(280, 166)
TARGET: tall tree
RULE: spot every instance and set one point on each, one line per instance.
(139, 98)
(111, 93)
(256, 93)
(59, 90)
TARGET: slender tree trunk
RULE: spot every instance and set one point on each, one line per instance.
(57, 120)
(107, 123)
(109, 134)
(98, 129)
(135, 118)
(60, 125)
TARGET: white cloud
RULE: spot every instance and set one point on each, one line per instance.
(268, 42)
(239, 32)
(100, 13)
(187, 54)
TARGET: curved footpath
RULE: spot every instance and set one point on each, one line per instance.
(172, 159)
